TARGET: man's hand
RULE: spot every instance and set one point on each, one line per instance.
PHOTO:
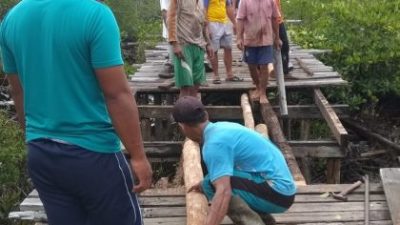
(210, 51)
(143, 174)
(197, 188)
(177, 50)
(277, 43)
(239, 43)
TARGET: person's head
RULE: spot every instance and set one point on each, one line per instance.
(191, 116)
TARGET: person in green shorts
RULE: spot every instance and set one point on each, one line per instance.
(188, 35)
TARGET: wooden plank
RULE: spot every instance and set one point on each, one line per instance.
(333, 171)
(331, 117)
(235, 112)
(391, 185)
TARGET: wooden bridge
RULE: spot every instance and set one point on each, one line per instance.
(229, 101)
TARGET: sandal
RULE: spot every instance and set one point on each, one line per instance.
(217, 81)
(234, 79)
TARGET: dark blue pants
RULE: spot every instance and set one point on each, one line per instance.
(81, 187)
(285, 48)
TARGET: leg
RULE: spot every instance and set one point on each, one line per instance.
(214, 65)
(228, 62)
(254, 73)
(216, 33)
(263, 83)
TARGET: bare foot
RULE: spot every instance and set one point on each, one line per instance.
(255, 95)
(263, 99)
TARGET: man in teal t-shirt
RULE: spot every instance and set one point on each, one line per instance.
(63, 61)
(241, 163)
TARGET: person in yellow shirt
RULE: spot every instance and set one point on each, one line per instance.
(218, 13)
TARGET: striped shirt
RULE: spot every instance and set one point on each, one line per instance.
(186, 21)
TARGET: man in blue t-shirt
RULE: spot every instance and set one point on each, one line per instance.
(241, 163)
(63, 61)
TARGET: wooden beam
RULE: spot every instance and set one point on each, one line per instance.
(318, 149)
(247, 112)
(276, 134)
(196, 203)
(331, 117)
(235, 112)
(391, 185)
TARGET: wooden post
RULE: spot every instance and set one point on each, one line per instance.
(247, 112)
(196, 203)
(304, 161)
(333, 171)
(276, 134)
(281, 82)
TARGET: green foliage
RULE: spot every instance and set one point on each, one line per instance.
(363, 36)
(13, 177)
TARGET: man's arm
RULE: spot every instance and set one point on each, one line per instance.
(220, 201)
(230, 11)
(239, 34)
(17, 95)
(125, 118)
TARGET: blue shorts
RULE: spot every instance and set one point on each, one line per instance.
(255, 191)
(82, 187)
(259, 55)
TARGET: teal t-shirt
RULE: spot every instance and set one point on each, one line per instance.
(54, 46)
(231, 146)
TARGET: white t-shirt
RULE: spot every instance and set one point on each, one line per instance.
(164, 6)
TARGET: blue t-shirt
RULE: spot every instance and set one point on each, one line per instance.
(54, 46)
(231, 146)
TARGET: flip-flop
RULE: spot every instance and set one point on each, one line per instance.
(234, 79)
(217, 81)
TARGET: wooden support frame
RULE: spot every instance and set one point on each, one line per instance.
(330, 117)
(317, 149)
(235, 112)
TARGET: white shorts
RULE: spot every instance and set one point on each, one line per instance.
(221, 35)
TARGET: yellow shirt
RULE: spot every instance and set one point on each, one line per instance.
(217, 11)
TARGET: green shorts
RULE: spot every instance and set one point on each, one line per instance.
(194, 57)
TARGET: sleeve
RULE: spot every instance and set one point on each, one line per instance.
(164, 5)
(7, 58)
(275, 10)
(105, 42)
(219, 160)
(241, 13)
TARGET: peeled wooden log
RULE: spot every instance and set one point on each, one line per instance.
(277, 136)
(196, 203)
(247, 112)
(262, 129)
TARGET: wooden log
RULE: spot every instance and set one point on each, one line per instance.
(369, 134)
(262, 129)
(247, 112)
(276, 134)
(331, 118)
(196, 203)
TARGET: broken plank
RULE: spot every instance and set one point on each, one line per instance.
(391, 185)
